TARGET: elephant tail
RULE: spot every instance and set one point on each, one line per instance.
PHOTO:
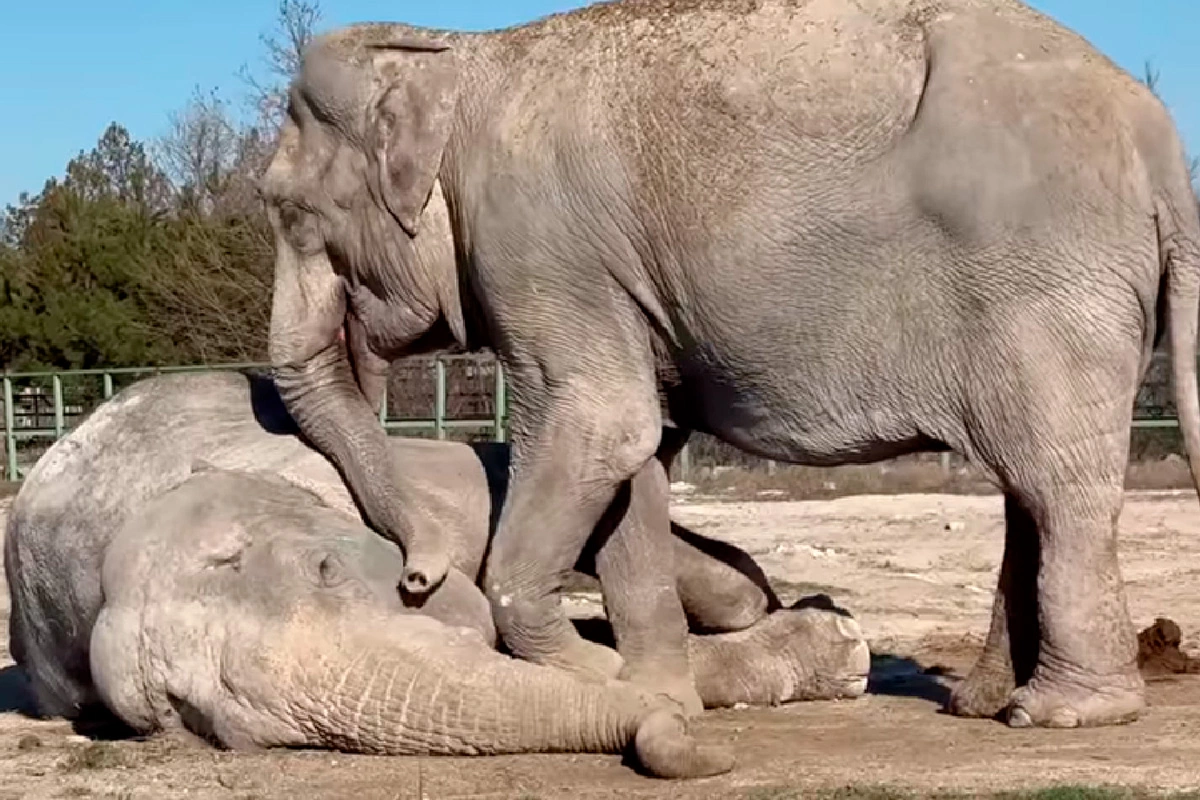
(1178, 223)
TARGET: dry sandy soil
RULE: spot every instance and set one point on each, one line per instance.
(918, 570)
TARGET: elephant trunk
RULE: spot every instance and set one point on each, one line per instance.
(330, 408)
(322, 392)
(416, 701)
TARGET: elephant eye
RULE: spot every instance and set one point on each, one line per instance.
(331, 571)
(300, 226)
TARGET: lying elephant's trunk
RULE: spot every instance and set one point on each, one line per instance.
(438, 697)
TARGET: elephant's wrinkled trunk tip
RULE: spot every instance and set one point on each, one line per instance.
(665, 749)
(424, 572)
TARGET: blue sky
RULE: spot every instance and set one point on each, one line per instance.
(69, 67)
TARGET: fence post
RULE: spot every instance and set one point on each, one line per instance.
(108, 386)
(499, 404)
(10, 434)
(439, 398)
(383, 409)
(59, 412)
(685, 464)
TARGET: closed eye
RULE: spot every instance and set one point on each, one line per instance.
(331, 571)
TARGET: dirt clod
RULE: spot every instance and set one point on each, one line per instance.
(1159, 652)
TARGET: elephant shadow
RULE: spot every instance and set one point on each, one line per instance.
(15, 695)
(900, 676)
(94, 722)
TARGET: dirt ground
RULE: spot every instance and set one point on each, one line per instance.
(917, 570)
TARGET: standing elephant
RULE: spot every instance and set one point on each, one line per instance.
(825, 232)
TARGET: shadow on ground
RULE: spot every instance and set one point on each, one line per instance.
(96, 723)
(15, 696)
(898, 676)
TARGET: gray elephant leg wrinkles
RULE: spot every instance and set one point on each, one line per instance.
(752, 651)
(817, 220)
(633, 553)
(1010, 651)
(241, 609)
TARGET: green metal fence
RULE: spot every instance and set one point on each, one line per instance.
(23, 425)
(28, 424)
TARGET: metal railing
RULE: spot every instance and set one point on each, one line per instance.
(439, 423)
(14, 433)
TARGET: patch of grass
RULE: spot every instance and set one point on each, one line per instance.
(842, 793)
(892, 793)
(1091, 793)
(93, 756)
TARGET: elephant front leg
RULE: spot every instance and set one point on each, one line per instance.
(635, 562)
(1011, 650)
(573, 449)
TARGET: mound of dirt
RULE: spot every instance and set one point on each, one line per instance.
(1159, 653)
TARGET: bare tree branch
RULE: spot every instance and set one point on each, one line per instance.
(295, 24)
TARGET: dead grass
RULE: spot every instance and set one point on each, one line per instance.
(93, 756)
(1065, 792)
(788, 482)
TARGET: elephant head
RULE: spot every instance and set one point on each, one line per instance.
(240, 609)
(365, 267)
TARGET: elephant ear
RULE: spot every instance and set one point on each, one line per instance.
(412, 121)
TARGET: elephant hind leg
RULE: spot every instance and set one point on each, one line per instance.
(1057, 435)
(721, 587)
(635, 565)
(1086, 667)
(1011, 650)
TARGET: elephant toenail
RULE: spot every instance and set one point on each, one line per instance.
(849, 627)
(1019, 718)
(1063, 718)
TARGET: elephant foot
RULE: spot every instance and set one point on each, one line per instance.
(1049, 703)
(666, 749)
(823, 649)
(666, 684)
(586, 660)
(797, 653)
(983, 694)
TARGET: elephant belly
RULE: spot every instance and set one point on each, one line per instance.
(811, 419)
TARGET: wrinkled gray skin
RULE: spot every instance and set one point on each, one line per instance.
(239, 608)
(154, 435)
(826, 232)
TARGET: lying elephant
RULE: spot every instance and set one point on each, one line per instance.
(101, 477)
(825, 231)
(239, 608)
